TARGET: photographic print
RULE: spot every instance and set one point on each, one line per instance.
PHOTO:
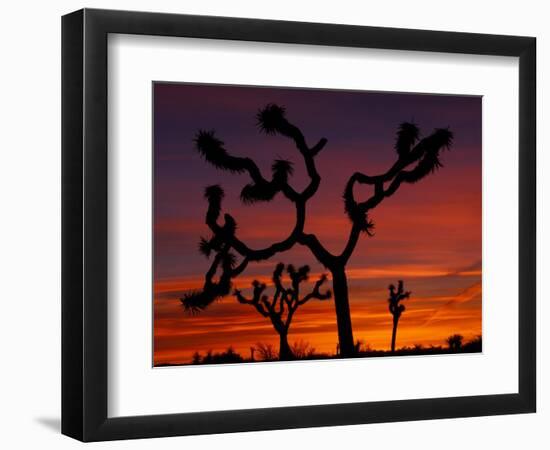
(309, 224)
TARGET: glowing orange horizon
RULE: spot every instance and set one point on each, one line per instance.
(428, 320)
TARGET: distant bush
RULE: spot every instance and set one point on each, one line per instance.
(455, 342)
(266, 352)
(361, 347)
(302, 350)
(473, 346)
(229, 356)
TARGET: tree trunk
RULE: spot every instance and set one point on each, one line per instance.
(393, 335)
(343, 315)
(285, 352)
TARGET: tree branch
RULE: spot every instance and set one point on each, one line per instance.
(353, 239)
(226, 233)
(323, 255)
(425, 156)
(272, 120)
(316, 292)
(256, 300)
(212, 150)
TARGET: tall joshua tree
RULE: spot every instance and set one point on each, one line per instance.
(396, 307)
(415, 159)
(281, 307)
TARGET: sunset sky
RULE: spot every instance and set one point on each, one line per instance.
(428, 234)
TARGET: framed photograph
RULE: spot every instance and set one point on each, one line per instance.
(273, 224)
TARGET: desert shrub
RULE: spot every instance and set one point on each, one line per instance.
(266, 352)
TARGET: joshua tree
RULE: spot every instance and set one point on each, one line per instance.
(416, 158)
(281, 307)
(396, 308)
(455, 342)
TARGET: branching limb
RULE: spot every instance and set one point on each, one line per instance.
(212, 150)
(424, 157)
(316, 292)
(272, 120)
(227, 232)
(321, 253)
(196, 301)
(257, 300)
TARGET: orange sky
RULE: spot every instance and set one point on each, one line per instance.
(428, 234)
(427, 320)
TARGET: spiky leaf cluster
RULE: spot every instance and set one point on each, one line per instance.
(229, 261)
(429, 162)
(207, 246)
(263, 191)
(211, 149)
(407, 135)
(281, 169)
(355, 213)
(272, 120)
(214, 244)
(196, 301)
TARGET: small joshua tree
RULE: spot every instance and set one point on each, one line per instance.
(396, 308)
(281, 307)
(416, 158)
(455, 342)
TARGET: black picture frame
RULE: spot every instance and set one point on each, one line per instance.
(84, 224)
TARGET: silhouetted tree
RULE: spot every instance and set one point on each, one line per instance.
(416, 158)
(455, 342)
(281, 307)
(396, 307)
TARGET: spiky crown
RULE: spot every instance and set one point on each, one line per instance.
(271, 119)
